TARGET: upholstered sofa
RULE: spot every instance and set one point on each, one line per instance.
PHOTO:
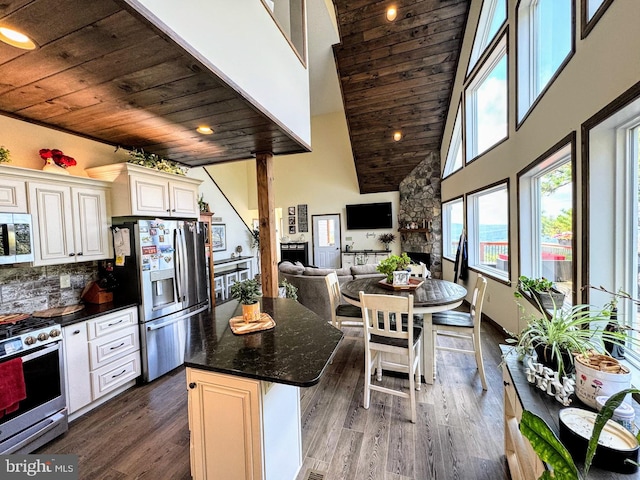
(312, 287)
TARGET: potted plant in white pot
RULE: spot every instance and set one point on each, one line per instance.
(247, 293)
(393, 263)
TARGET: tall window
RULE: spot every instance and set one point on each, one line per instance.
(614, 213)
(486, 104)
(488, 230)
(546, 219)
(545, 40)
(592, 7)
(454, 154)
(492, 16)
(452, 225)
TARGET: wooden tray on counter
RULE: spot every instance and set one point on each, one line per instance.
(239, 327)
(412, 285)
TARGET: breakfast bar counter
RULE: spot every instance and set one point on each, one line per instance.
(244, 399)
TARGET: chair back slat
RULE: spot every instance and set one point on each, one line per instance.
(383, 315)
(478, 300)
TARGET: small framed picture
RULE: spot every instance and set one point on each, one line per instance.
(292, 210)
(292, 229)
(292, 220)
(218, 237)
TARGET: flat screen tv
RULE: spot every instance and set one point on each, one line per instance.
(366, 216)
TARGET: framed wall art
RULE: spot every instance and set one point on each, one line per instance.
(218, 237)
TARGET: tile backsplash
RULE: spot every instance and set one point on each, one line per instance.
(25, 289)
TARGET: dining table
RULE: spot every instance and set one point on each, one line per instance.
(431, 296)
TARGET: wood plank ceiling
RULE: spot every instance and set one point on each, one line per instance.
(396, 76)
(104, 72)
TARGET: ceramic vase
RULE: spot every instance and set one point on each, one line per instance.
(251, 313)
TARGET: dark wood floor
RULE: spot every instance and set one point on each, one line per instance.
(143, 433)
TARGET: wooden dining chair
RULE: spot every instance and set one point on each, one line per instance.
(419, 270)
(384, 335)
(463, 325)
(341, 314)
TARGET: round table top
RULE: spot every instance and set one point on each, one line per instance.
(433, 292)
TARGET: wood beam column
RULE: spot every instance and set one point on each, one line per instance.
(266, 212)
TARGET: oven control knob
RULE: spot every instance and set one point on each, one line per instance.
(55, 333)
(43, 336)
(30, 340)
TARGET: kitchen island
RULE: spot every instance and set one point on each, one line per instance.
(244, 402)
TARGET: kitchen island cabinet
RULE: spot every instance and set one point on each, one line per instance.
(244, 410)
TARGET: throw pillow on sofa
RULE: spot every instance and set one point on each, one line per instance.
(290, 268)
(323, 272)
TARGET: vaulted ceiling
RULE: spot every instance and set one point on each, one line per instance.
(396, 76)
(104, 72)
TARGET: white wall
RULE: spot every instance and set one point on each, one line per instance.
(240, 41)
(324, 179)
(604, 65)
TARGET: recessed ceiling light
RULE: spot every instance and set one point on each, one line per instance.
(397, 136)
(204, 130)
(392, 13)
(16, 39)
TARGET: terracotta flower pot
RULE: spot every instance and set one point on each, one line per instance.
(251, 313)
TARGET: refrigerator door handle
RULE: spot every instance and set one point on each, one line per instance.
(185, 263)
(177, 254)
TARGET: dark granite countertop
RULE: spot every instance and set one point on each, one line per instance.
(92, 310)
(366, 251)
(295, 352)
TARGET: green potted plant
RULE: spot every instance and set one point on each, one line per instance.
(542, 290)
(558, 335)
(392, 264)
(287, 290)
(5, 155)
(247, 293)
(386, 239)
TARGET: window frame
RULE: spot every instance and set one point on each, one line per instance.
(499, 52)
(482, 30)
(527, 63)
(528, 227)
(587, 24)
(446, 224)
(457, 144)
(473, 231)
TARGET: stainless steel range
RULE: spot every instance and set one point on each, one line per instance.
(33, 345)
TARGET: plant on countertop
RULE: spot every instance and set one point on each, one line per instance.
(386, 239)
(246, 292)
(393, 264)
(553, 452)
(151, 160)
(58, 157)
(5, 155)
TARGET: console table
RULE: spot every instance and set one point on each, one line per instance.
(295, 252)
(229, 271)
(520, 395)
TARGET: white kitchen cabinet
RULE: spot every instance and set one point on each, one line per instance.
(70, 223)
(348, 260)
(243, 428)
(76, 362)
(13, 195)
(144, 191)
(102, 359)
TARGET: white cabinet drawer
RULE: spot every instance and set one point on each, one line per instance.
(109, 348)
(113, 375)
(112, 322)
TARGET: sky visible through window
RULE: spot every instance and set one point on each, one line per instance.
(492, 107)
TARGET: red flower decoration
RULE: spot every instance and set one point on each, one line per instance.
(58, 157)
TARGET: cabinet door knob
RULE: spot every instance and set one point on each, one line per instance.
(173, 210)
(72, 254)
(168, 210)
(192, 385)
(79, 253)
(76, 332)
(506, 384)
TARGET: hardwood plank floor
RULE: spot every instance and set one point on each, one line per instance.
(144, 433)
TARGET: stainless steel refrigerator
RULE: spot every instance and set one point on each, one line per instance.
(165, 273)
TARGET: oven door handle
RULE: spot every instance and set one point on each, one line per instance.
(45, 350)
(55, 419)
